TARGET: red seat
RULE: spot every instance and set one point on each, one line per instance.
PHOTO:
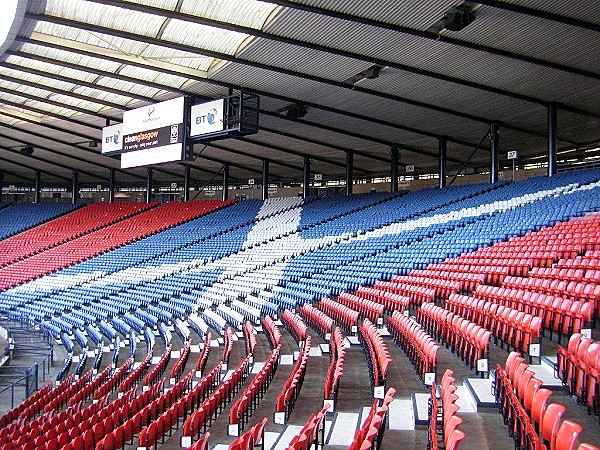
(567, 436)
(453, 441)
(551, 423)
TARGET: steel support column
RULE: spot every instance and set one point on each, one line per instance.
(111, 186)
(442, 160)
(349, 172)
(265, 180)
(186, 183)
(148, 185)
(552, 139)
(494, 146)
(306, 179)
(74, 187)
(225, 181)
(395, 154)
(38, 186)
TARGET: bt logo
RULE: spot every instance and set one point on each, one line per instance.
(114, 139)
(210, 117)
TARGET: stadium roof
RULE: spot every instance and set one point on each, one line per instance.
(332, 76)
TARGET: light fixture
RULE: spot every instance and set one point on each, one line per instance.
(27, 150)
(458, 17)
(369, 73)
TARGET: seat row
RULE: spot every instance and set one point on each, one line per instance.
(337, 354)
(534, 422)
(370, 434)
(290, 391)
(467, 339)
(246, 404)
(517, 329)
(366, 308)
(253, 437)
(443, 418)
(416, 294)
(345, 316)
(420, 348)
(249, 337)
(441, 287)
(157, 370)
(377, 355)
(312, 433)
(560, 315)
(318, 320)
(578, 367)
(585, 290)
(179, 366)
(227, 346)
(115, 380)
(136, 374)
(294, 324)
(467, 280)
(214, 404)
(271, 331)
(391, 301)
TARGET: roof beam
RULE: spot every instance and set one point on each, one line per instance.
(220, 161)
(157, 86)
(25, 107)
(437, 37)
(70, 155)
(234, 59)
(43, 160)
(49, 126)
(55, 103)
(249, 155)
(16, 175)
(363, 137)
(58, 77)
(227, 85)
(57, 152)
(64, 92)
(323, 48)
(323, 144)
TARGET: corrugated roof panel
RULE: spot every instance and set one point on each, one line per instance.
(75, 102)
(52, 68)
(8, 120)
(38, 79)
(126, 86)
(154, 76)
(418, 14)
(69, 57)
(249, 13)
(50, 108)
(24, 90)
(303, 60)
(126, 46)
(202, 36)
(533, 36)
(458, 98)
(106, 16)
(177, 57)
(103, 95)
(586, 11)
(164, 4)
